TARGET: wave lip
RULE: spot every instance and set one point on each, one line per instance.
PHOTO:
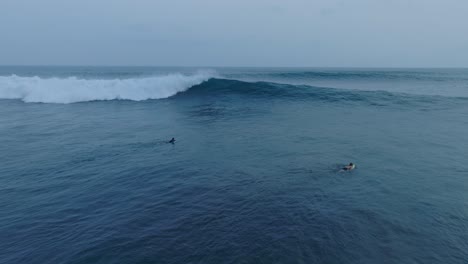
(73, 90)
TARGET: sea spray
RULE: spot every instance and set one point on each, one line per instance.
(73, 89)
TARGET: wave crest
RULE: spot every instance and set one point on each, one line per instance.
(72, 89)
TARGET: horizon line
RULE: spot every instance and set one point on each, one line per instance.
(218, 66)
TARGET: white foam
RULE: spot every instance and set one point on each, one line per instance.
(72, 89)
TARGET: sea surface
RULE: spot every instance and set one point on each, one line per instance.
(87, 175)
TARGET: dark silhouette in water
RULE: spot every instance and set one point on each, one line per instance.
(172, 141)
(349, 167)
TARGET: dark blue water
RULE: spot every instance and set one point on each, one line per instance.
(86, 175)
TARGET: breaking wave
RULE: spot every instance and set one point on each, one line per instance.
(73, 89)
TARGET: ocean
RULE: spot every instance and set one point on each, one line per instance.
(87, 175)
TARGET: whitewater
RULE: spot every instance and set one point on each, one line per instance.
(72, 89)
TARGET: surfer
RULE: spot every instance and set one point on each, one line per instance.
(349, 167)
(172, 141)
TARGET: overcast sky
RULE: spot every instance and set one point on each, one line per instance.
(348, 33)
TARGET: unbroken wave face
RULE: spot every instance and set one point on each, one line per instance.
(72, 89)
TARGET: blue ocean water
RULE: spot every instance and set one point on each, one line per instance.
(86, 175)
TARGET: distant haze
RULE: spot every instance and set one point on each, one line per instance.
(323, 33)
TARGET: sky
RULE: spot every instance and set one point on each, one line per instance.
(256, 33)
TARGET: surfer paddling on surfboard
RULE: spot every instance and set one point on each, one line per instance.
(349, 167)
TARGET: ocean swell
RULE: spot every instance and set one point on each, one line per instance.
(72, 89)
